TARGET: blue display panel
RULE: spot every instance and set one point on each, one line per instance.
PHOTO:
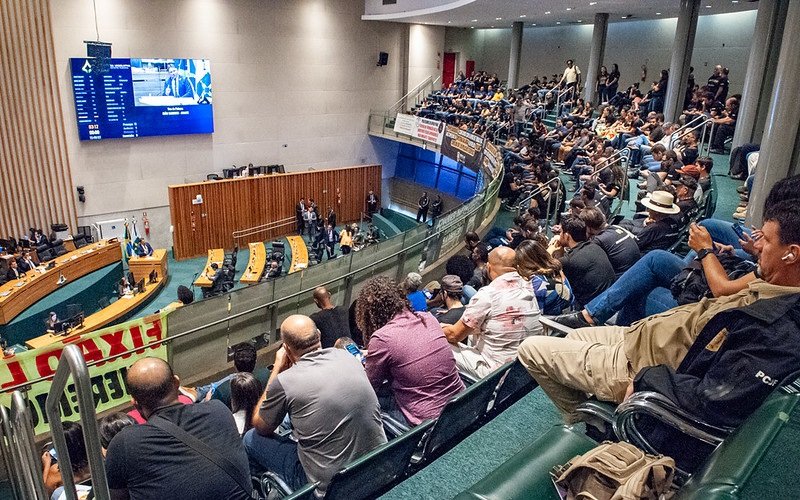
(142, 97)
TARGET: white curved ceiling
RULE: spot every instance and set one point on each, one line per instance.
(501, 13)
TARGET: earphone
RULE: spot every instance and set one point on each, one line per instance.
(788, 256)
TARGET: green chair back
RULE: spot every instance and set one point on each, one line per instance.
(379, 469)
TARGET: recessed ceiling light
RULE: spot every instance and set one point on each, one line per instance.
(580, 20)
(734, 1)
(547, 12)
(474, 20)
(624, 17)
(708, 6)
(569, 8)
(472, 27)
(498, 18)
(533, 24)
(592, 3)
(523, 15)
(448, 22)
(658, 13)
(558, 22)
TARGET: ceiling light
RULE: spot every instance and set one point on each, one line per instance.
(474, 20)
(498, 18)
(658, 13)
(569, 8)
(533, 24)
(523, 15)
(580, 20)
(472, 27)
(592, 3)
(734, 1)
(448, 22)
(547, 12)
(558, 22)
(708, 6)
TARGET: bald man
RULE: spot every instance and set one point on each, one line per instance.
(496, 320)
(155, 460)
(332, 321)
(334, 411)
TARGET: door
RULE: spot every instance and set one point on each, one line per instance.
(448, 68)
(470, 68)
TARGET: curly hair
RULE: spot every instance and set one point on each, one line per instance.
(378, 302)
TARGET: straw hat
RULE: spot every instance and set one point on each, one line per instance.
(661, 202)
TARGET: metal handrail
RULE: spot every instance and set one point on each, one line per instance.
(403, 101)
(9, 457)
(236, 235)
(527, 200)
(415, 89)
(701, 143)
(22, 432)
(72, 363)
(492, 186)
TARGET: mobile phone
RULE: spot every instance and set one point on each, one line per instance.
(355, 351)
(53, 455)
(737, 228)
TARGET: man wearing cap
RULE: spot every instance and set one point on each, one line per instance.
(660, 229)
(500, 316)
(685, 186)
(415, 296)
(451, 290)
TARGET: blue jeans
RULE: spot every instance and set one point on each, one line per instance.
(277, 454)
(722, 232)
(641, 291)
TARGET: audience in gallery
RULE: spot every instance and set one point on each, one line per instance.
(489, 302)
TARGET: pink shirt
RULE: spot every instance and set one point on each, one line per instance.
(412, 353)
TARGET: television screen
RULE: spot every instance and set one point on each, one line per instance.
(142, 97)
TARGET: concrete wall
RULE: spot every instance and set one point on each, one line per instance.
(721, 39)
(294, 81)
(425, 48)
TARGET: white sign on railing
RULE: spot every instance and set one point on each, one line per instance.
(421, 128)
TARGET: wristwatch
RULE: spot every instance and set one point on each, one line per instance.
(703, 252)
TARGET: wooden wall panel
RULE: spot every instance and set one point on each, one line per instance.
(35, 180)
(238, 204)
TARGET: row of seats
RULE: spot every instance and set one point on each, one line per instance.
(756, 461)
(410, 450)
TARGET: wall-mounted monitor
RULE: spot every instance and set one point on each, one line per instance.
(142, 97)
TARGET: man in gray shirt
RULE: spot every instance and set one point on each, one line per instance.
(333, 409)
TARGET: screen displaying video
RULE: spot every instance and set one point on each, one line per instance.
(142, 97)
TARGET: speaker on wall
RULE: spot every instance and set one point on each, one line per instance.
(383, 58)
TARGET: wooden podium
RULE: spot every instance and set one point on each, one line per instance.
(142, 266)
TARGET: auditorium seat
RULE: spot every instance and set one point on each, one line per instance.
(516, 383)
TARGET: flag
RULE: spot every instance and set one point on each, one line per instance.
(127, 238)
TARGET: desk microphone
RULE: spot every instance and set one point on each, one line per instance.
(193, 280)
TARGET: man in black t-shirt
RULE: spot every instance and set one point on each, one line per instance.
(661, 229)
(332, 321)
(148, 461)
(452, 288)
(618, 243)
(725, 125)
(585, 264)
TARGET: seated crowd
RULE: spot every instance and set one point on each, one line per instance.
(715, 347)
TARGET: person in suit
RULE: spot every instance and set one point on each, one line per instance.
(311, 222)
(26, 263)
(300, 213)
(422, 207)
(331, 237)
(39, 238)
(437, 208)
(372, 203)
(331, 217)
(13, 272)
(274, 270)
(176, 85)
(142, 248)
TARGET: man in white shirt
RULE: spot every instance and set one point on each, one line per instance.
(571, 76)
(499, 317)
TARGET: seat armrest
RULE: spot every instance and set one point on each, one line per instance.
(270, 481)
(603, 410)
(468, 379)
(665, 411)
(554, 329)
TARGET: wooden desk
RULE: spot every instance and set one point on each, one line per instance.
(18, 295)
(104, 317)
(256, 264)
(142, 266)
(215, 256)
(299, 253)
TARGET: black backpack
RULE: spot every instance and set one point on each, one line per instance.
(690, 285)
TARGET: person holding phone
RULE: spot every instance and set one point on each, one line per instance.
(79, 460)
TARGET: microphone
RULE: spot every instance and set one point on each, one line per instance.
(193, 279)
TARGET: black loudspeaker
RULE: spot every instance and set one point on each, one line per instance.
(383, 58)
(101, 53)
